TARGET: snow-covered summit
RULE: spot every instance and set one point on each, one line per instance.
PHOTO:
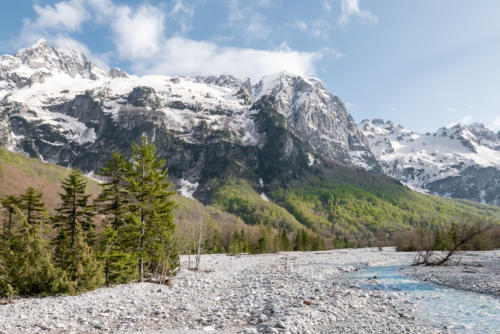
(34, 64)
(425, 161)
(318, 116)
(57, 105)
(41, 78)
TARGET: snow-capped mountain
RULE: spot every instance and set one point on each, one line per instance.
(60, 107)
(462, 161)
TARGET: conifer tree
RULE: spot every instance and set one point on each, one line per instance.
(119, 265)
(265, 244)
(9, 203)
(32, 206)
(80, 262)
(151, 223)
(29, 259)
(113, 199)
(75, 211)
(284, 241)
(235, 245)
(244, 242)
(112, 203)
(302, 241)
(75, 232)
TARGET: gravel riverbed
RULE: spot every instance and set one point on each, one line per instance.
(475, 271)
(274, 293)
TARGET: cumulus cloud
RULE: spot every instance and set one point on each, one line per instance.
(467, 119)
(144, 36)
(181, 56)
(350, 8)
(52, 20)
(138, 34)
(67, 16)
(495, 124)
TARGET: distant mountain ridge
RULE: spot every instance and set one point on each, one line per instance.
(461, 161)
(60, 107)
(39, 83)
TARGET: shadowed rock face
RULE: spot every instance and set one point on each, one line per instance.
(479, 184)
(57, 106)
(319, 118)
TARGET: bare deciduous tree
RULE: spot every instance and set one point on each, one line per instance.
(452, 240)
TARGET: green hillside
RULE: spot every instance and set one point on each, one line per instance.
(366, 212)
(17, 172)
(350, 208)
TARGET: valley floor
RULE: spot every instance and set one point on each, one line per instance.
(275, 293)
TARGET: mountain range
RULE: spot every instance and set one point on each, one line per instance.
(460, 161)
(284, 150)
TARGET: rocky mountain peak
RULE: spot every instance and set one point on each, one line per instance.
(226, 80)
(317, 116)
(35, 63)
(460, 161)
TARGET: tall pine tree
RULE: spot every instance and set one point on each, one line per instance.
(32, 206)
(75, 210)
(10, 204)
(73, 221)
(151, 223)
(112, 203)
(113, 199)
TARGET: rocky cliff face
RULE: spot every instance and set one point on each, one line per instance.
(462, 161)
(58, 106)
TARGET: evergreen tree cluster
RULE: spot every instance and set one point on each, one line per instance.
(63, 253)
(269, 240)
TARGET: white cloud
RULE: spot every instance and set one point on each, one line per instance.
(246, 21)
(301, 25)
(318, 28)
(350, 8)
(495, 124)
(180, 56)
(66, 16)
(331, 53)
(52, 20)
(182, 14)
(138, 34)
(467, 119)
(327, 5)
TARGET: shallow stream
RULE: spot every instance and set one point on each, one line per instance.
(446, 309)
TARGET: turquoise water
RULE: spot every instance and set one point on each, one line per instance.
(446, 309)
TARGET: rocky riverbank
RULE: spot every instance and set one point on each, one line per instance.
(274, 293)
(469, 271)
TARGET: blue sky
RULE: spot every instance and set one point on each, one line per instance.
(423, 64)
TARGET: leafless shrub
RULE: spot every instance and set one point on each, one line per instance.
(456, 237)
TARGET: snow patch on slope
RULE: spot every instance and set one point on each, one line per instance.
(187, 188)
(419, 159)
